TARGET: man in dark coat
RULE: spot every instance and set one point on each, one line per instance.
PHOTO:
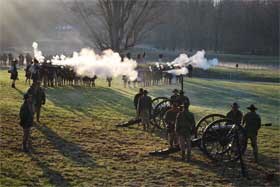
(39, 98)
(137, 96)
(14, 73)
(26, 120)
(182, 98)
(175, 96)
(144, 109)
(252, 124)
(184, 126)
(170, 119)
(235, 114)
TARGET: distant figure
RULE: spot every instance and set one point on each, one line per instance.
(125, 80)
(236, 65)
(184, 126)
(28, 59)
(14, 73)
(190, 70)
(38, 98)
(160, 56)
(128, 56)
(170, 119)
(35, 70)
(137, 97)
(144, 109)
(26, 120)
(21, 59)
(28, 72)
(182, 98)
(235, 114)
(10, 58)
(109, 80)
(175, 96)
(252, 125)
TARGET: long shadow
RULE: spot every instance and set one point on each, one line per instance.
(55, 178)
(85, 99)
(68, 149)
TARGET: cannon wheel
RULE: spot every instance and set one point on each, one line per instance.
(157, 100)
(204, 122)
(220, 143)
(159, 113)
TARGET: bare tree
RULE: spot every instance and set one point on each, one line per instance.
(118, 24)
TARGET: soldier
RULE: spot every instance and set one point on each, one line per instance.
(184, 127)
(235, 114)
(175, 96)
(14, 73)
(182, 98)
(39, 98)
(137, 96)
(170, 119)
(109, 80)
(190, 70)
(21, 59)
(28, 72)
(252, 123)
(144, 109)
(35, 70)
(26, 120)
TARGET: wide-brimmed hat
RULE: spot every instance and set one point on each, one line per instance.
(235, 105)
(145, 91)
(175, 91)
(252, 107)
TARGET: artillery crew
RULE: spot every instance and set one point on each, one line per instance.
(235, 114)
(144, 109)
(252, 124)
(184, 126)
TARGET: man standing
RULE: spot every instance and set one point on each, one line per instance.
(170, 119)
(136, 98)
(252, 123)
(14, 73)
(235, 114)
(26, 120)
(184, 126)
(39, 98)
(144, 109)
(183, 99)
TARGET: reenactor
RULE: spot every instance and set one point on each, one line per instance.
(35, 70)
(235, 114)
(109, 80)
(136, 97)
(28, 72)
(38, 98)
(21, 59)
(10, 58)
(170, 119)
(28, 59)
(26, 120)
(125, 80)
(14, 73)
(190, 69)
(5, 58)
(184, 126)
(182, 98)
(175, 96)
(252, 124)
(144, 109)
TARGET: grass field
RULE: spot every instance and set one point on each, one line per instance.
(77, 143)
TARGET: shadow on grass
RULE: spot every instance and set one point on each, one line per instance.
(67, 149)
(55, 178)
(83, 100)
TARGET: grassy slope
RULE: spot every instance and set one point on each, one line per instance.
(77, 143)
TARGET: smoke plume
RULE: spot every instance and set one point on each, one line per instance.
(37, 54)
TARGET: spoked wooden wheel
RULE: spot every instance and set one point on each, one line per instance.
(204, 122)
(224, 141)
(157, 100)
(159, 113)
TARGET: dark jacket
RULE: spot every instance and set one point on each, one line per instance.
(235, 117)
(145, 103)
(38, 96)
(170, 119)
(185, 123)
(252, 123)
(136, 99)
(26, 115)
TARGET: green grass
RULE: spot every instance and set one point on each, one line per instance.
(77, 143)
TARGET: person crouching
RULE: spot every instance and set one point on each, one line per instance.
(26, 120)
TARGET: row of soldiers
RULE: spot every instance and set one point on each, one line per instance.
(8, 58)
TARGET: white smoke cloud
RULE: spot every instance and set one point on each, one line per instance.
(107, 64)
(37, 54)
(181, 71)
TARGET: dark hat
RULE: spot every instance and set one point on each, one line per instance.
(141, 90)
(26, 96)
(235, 105)
(175, 91)
(252, 107)
(181, 92)
(145, 91)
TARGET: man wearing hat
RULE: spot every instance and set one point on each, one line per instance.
(252, 125)
(175, 96)
(144, 109)
(26, 119)
(184, 126)
(170, 119)
(235, 114)
(182, 98)
(39, 97)
(137, 96)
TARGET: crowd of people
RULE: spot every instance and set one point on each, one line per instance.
(180, 122)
